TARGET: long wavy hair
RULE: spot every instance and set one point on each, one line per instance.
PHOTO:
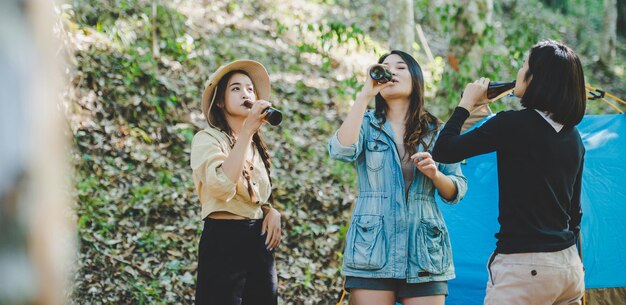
(221, 122)
(419, 124)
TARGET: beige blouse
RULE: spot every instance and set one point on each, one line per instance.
(217, 193)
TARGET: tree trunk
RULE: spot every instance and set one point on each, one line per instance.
(401, 25)
(609, 36)
(621, 17)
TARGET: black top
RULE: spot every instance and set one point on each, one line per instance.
(539, 176)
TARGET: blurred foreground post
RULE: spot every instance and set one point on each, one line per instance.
(36, 231)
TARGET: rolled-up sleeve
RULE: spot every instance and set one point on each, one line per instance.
(453, 171)
(345, 153)
(209, 179)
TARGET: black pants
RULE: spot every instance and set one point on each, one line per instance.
(234, 266)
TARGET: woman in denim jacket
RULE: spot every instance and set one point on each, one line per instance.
(397, 246)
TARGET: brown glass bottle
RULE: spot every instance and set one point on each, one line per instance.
(494, 89)
(274, 116)
(380, 74)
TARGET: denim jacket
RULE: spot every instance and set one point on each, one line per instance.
(390, 235)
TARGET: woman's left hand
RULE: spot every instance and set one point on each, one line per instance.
(271, 225)
(425, 164)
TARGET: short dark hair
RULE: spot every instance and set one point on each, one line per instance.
(558, 83)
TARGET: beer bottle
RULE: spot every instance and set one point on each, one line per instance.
(274, 116)
(496, 88)
(380, 74)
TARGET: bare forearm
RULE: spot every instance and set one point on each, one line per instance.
(349, 131)
(233, 165)
(445, 186)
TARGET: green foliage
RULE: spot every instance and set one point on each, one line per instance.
(327, 36)
(516, 27)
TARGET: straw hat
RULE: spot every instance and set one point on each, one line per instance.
(259, 76)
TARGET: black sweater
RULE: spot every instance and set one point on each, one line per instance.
(539, 176)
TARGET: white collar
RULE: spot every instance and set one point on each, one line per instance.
(557, 126)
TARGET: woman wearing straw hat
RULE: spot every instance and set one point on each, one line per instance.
(231, 174)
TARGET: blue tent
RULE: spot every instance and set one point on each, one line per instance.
(473, 223)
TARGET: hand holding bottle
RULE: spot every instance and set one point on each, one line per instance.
(371, 88)
(475, 94)
(350, 128)
(256, 116)
(272, 115)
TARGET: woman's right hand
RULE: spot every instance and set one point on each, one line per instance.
(350, 129)
(371, 88)
(475, 94)
(256, 116)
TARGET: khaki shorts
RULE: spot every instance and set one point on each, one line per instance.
(540, 278)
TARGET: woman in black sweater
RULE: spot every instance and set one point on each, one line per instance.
(540, 162)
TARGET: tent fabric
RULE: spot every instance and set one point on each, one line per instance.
(473, 223)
